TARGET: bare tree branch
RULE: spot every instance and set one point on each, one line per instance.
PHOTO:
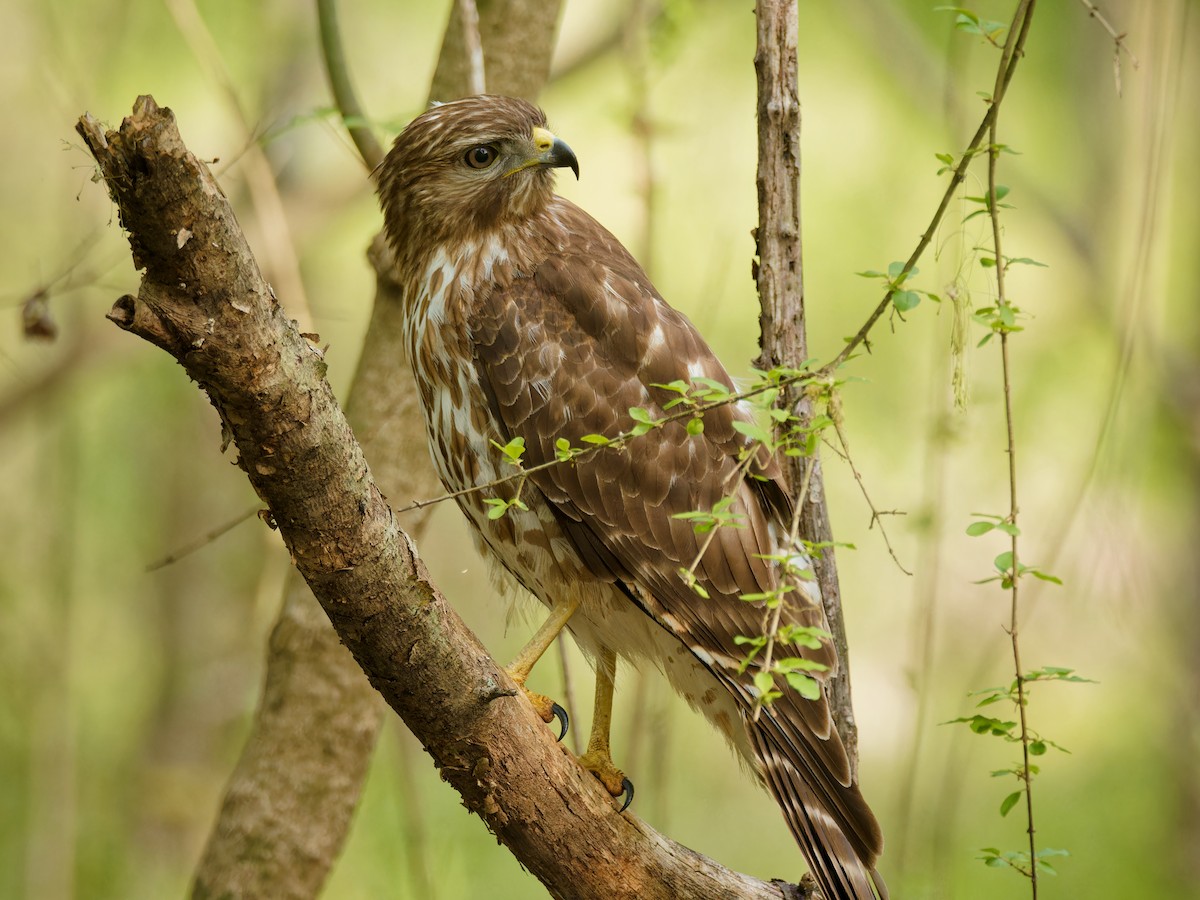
(203, 300)
(779, 272)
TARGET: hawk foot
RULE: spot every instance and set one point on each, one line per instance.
(601, 765)
(548, 710)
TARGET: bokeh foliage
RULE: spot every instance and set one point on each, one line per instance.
(124, 694)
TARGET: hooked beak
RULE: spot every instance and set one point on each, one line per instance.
(553, 152)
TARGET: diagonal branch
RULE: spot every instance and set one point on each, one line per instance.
(203, 300)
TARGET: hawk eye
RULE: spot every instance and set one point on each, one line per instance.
(481, 157)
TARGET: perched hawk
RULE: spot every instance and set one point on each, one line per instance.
(525, 318)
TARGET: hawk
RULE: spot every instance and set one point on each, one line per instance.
(525, 318)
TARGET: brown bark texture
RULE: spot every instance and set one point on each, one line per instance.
(203, 300)
(517, 37)
(779, 272)
(291, 798)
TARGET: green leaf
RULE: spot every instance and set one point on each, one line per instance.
(638, 414)
(497, 508)
(800, 664)
(806, 687)
(764, 681)
(752, 430)
(1037, 748)
(905, 300)
(1045, 576)
(595, 439)
(513, 450)
(695, 426)
(975, 529)
(1004, 561)
(1025, 261)
(1009, 802)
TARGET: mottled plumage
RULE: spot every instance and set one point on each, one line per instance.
(525, 318)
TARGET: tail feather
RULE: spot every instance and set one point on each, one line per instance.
(828, 816)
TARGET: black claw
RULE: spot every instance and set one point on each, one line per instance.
(561, 714)
(627, 793)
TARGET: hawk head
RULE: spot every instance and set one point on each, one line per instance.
(467, 167)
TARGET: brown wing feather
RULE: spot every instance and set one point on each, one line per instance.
(565, 352)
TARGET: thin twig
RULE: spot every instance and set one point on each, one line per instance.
(771, 616)
(203, 541)
(1023, 15)
(1007, 68)
(876, 515)
(344, 97)
(1119, 43)
(619, 442)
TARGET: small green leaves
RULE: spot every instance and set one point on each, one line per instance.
(564, 452)
(765, 683)
(720, 516)
(903, 299)
(802, 636)
(688, 577)
(513, 450)
(1056, 673)
(643, 419)
(969, 22)
(808, 688)
(754, 431)
(498, 508)
(992, 523)
(1019, 859)
(1003, 564)
(985, 725)
(985, 203)
(1009, 802)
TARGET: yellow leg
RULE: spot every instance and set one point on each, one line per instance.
(560, 614)
(598, 758)
(520, 667)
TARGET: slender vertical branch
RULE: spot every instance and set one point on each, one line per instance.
(778, 272)
(1023, 14)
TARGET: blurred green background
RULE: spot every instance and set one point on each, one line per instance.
(125, 694)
